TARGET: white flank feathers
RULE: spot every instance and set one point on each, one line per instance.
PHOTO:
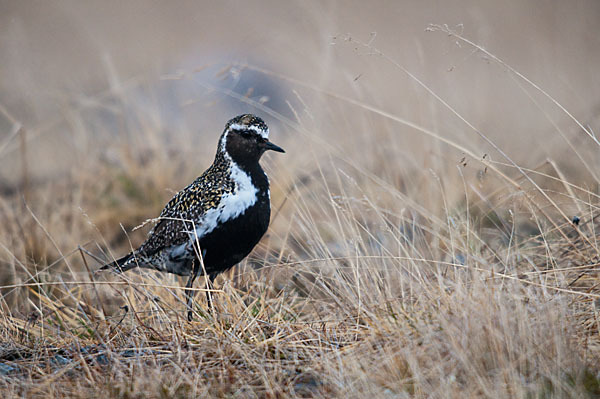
(232, 205)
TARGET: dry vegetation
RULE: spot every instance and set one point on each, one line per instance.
(407, 257)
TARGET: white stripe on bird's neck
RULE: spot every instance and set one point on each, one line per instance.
(232, 204)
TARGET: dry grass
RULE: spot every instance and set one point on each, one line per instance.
(405, 258)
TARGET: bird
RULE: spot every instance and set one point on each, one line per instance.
(215, 222)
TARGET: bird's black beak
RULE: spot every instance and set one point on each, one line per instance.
(270, 146)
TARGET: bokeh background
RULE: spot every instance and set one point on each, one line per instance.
(74, 57)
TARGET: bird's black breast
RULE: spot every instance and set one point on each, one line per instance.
(233, 240)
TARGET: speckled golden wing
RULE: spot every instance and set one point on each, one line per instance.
(183, 213)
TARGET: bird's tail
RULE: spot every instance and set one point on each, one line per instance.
(120, 265)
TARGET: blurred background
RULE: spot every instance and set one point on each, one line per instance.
(73, 73)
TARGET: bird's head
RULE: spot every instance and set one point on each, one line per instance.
(245, 139)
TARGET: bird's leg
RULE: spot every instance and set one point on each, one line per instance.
(209, 286)
(190, 293)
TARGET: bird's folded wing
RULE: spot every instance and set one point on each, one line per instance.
(183, 215)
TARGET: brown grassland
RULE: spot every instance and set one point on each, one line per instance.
(434, 220)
